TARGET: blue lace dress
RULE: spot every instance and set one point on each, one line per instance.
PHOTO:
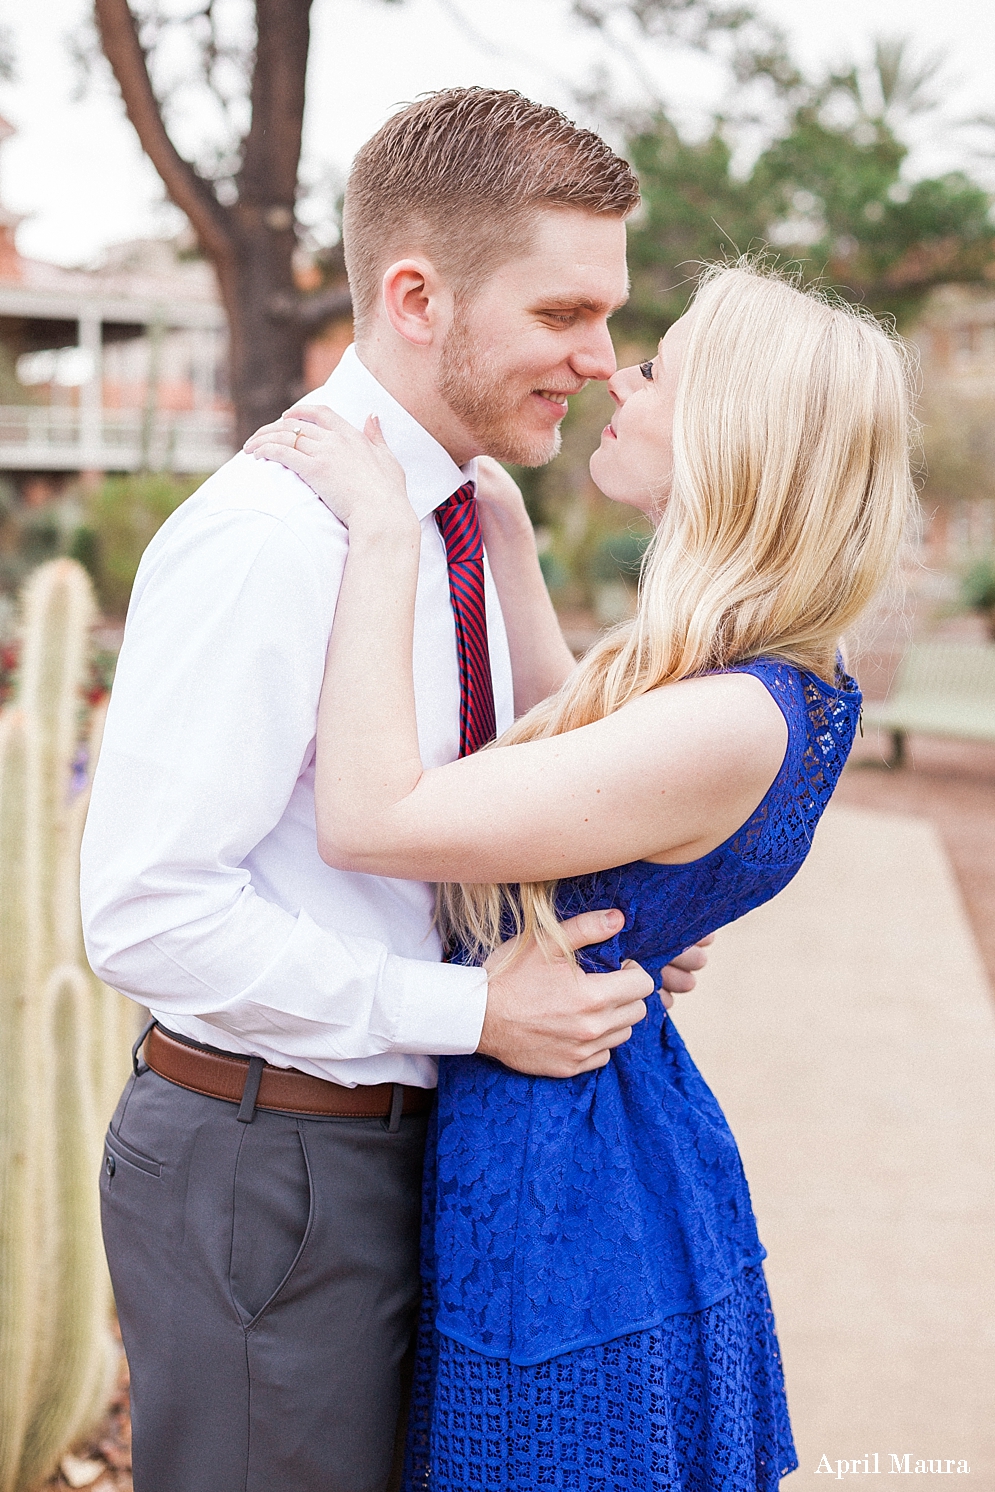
(595, 1315)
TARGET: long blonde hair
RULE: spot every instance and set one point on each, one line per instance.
(791, 494)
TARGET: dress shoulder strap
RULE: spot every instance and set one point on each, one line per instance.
(822, 721)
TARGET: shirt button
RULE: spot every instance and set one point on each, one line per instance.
(110, 1165)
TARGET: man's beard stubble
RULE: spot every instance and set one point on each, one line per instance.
(489, 410)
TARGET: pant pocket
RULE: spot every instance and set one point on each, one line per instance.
(271, 1212)
(116, 1149)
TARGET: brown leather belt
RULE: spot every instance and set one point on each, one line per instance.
(281, 1088)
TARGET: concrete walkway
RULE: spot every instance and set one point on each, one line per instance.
(848, 1031)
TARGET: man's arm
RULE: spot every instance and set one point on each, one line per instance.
(209, 728)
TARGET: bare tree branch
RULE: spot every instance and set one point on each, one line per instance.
(272, 148)
(752, 47)
(693, 22)
(123, 49)
(8, 64)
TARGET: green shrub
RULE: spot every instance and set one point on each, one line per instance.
(977, 587)
(620, 555)
(121, 517)
(553, 570)
(28, 537)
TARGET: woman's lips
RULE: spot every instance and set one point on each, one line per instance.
(608, 433)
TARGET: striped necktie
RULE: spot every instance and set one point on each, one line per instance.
(460, 529)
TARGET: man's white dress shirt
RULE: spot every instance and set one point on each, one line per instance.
(204, 896)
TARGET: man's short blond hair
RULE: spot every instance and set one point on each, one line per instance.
(460, 175)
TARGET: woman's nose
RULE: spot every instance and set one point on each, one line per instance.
(622, 384)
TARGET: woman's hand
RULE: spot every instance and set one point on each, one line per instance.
(497, 491)
(540, 658)
(352, 471)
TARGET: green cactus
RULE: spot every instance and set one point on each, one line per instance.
(64, 1041)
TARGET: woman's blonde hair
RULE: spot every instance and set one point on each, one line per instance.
(791, 494)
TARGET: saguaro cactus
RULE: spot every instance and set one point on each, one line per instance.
(63, 1053)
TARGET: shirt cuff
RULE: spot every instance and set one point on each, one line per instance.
(438, 1008)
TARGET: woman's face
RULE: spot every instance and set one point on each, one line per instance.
(634, 462)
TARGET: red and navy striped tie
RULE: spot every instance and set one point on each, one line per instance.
(460, 529)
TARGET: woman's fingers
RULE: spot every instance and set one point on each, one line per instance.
(290, 436)
(294, 459)
(281, 442)
(352, 471)
(277, 431)
(318, 414)
(495, 485)
(317, 421)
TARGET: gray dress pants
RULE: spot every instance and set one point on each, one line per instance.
(266, 1279)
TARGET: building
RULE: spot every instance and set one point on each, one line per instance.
(956, 340)
(114, 368)
(119, 367)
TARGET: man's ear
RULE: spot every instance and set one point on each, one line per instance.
(418, 305)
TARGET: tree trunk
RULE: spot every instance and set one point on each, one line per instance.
(266, 349)
(251, 243)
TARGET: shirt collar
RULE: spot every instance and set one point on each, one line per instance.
(432, 474)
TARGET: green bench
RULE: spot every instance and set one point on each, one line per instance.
(941, 689)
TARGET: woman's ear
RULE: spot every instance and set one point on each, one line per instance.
(417, 304)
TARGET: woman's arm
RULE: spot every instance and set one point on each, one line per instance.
(670, 775)
(540, 658)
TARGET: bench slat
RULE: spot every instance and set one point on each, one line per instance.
(942, 689)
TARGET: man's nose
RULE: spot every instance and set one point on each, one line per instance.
(595, 357)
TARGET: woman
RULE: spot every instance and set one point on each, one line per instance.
(595, 1314)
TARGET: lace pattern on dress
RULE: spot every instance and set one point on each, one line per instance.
(562, 1213)
(815, 758)
(595, 1315)
(695, 1405)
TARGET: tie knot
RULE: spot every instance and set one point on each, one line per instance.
(464, 494)
(460, 527)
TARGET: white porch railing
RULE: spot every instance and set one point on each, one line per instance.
(53, 438)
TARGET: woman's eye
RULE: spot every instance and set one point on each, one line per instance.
(646, 369)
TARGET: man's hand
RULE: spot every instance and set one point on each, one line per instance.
(679, 975)
(545, 1016)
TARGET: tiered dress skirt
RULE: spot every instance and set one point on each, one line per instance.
(695, 1405)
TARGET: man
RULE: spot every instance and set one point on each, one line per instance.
(261, 1180)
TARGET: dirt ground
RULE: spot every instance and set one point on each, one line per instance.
(952, 783)
(102, 1462)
